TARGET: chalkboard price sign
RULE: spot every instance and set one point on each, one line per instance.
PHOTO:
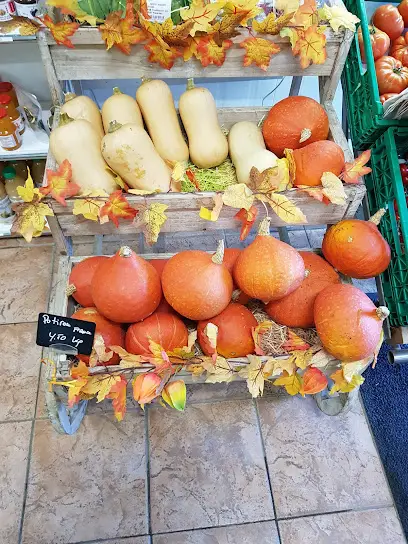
(65, 334)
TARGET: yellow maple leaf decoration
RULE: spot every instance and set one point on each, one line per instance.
(293, 384)
(88, 206)
(357, 367)
(310, 46)
(99, 385)
(302, 359)
(71, 7)
(162, 53)
(338, 17)
(213, 215)
(120, 31)
(307, 14)
(28, 191)
(99, 353)
(61, 31)
(274, 179)
(333, 189)
(238, 196)
(342, 385)
(287, 6)
(271, 24)
(209, 52)
(259, 51)
(321, 359)
(278, 366)
(218, 371)
(255, 374)
(30, 218)
(284, 208)
(226, 28)
(201, 15)
(250, 7)
(151, 219)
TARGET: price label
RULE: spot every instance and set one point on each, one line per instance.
(65, 334)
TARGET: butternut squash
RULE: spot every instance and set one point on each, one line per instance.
(83, 107)
(77, 141)
(247, 149)
(157, 106)
(207, 143)
(130, 152)
(121, 108)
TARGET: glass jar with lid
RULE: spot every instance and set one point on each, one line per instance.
(15, 115)
(26, 8)
(7, 88)
(5, 204)
(12, 181)
(10, 138)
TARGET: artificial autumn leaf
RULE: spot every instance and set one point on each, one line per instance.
(191, 48)
(60, 31)
(301, 358)
(290, 33)
(186, 352)
(28, 191)
(294, 342)
(178, 172)
(117, 207)
(238, 195)
(99, 385)
(314, 381)
(59, 184)
(165, 56)
(249, 7)
(143, 8)
(209, 52)
(201, 15)
(356, 367)
(145, 387)
(257, 333)
(259, 51)
(310, 46)
(283, 365)
(354, 170)
(151, 219)
(71, 7)
(129, 360)
(79, 370)
(286, 6)
(218, 371)
(254, 375)
(74, 389)
(342, 385)
(99, 353)
(212, 215)
(211, 332)
(88, 206)
(175, 394)
(226, 28)
(247, 218)
(273, 179)
(30, 218)
(321, 359)
(19, 25)
(292, 384)
(307, 14)
(196, 370)
(314, 192)
(166, 33)
(118, 395)
(271, 24)
(338, 16)
(120, 31)
(285, 209)
(333, 189)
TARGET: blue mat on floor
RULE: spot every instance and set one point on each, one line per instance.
(385, 397)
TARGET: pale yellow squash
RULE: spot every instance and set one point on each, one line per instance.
(77, 141)
(157, 106)
(83, 107)
(130, 152)
(207, 143)
(121, 108)
(247, 149)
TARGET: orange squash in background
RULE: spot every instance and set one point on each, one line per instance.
(165, 329)
(80, 279)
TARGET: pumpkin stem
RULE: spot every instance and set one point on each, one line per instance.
(116, 90)
(70, 290)
(190, 83)
(376, 218)
(263, 229)
(218, 256)
(64, 119)
(305, 135)
(382, 312)
(69, 96)
(114, 126)
(125, 251)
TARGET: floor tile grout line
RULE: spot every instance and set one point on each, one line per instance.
(5, 421)
(147, 483)
(209, 527)
(333, 512)
(110, 539)
(268, 476)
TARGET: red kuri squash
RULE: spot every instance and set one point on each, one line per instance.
(158, 265)
(80, 280)
(347, 322)
(112, 333)
(234, 339)
(164, 307)
(164, 329)
(307, 165)
(196, 284)
(126, 288)
(356, 248)
(268, 269)
(296, 310)
(230, 258)
(294, 122)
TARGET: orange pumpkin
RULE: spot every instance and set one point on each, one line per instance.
(268, 269)
(158, 265)
(230, 258)
(165, 329)
(196, 284)
(112, 333)
(80, 280)
(296, 310)
(294, 122)
(126, 288)
(307, 165)
(234, 338)
(356, 248)
(347, 322)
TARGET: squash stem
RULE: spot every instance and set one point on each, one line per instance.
(263, 229)
(70, 290)
(382, 312)
(69, 96)
(190, 83)
(114, 126)
(376, 218)
(125, 251)
(218, 256)
(145, 79)
(64, 119)
(116, 90)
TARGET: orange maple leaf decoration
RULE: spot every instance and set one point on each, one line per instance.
(211, 53)
(310, 46)
(259, 51)
(307, 15)
(120, 31)
(294, 343)
(61, 31)
(247, 217)
(59, 185)
(165, 56)
(314, 381)
(117, 207)
(118, 396)
(314, 192)
(354, 170)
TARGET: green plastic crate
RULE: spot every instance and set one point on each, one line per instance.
(364, 109)
(384, 188)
